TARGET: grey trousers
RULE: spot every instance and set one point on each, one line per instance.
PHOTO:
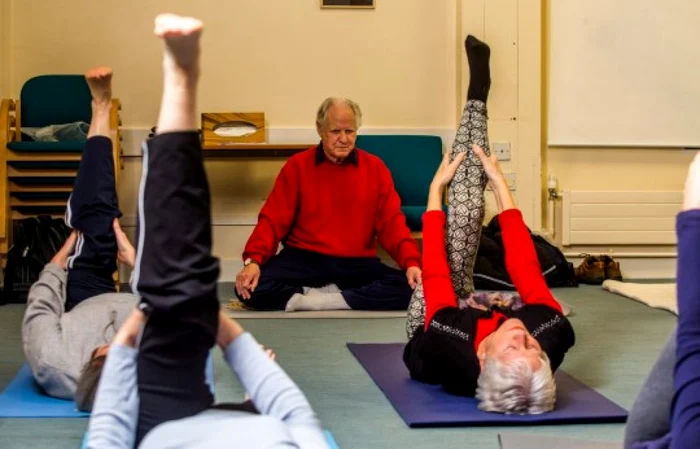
(650, 416)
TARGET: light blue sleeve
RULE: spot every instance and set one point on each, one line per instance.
(273, 392)
(115, 412)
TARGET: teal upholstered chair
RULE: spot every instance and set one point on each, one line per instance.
(37, 177)
(412, 161)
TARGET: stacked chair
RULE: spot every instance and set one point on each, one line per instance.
(36, 178)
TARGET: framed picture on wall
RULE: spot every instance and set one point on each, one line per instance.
(360, 4)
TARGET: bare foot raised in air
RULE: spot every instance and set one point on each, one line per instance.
(99, 80)
(181, 38)
(180, 72)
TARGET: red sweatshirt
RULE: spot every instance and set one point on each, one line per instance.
(521, 262)
(334, 209)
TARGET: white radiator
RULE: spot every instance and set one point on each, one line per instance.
(619, 218)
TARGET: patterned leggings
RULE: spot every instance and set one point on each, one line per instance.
(465, 213)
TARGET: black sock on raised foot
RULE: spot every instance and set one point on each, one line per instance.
(478, 54)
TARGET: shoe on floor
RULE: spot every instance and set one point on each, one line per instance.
(612, 268)
(591, 271)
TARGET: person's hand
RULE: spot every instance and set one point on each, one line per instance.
(496, 180)
(229, 330)
(491, 166)
(129, 332)
(247, 279)
(446, 170)
(62, 255)
(269, 353)
(691, 194)
(125, 251)
(413, 274)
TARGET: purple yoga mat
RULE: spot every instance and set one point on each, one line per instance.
(423, 405)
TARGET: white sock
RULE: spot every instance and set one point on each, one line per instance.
(330, 288)
(316, 301)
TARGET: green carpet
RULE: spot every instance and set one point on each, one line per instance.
(617, 341)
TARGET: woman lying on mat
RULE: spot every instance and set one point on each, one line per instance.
(153, 392)
(73, 309)
(685, 416)
(505, 359)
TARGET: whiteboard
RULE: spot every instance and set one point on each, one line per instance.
(624, 73)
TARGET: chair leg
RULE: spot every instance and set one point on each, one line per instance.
(115, 123)
(8, 132)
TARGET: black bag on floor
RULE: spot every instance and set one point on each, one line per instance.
(490, 268)
(35, 241)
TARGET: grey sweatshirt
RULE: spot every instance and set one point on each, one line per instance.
(58, 344)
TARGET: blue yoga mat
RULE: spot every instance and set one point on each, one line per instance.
(24, 398)
(329, 439)
(423, 405)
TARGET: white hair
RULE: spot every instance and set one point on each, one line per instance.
(322, 113)
(514, 388)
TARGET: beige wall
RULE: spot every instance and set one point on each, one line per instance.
(5, 27)
(403, 62)
(612, 169)
(280, 57)
(513, 31)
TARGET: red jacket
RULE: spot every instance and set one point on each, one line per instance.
(521, 262)
(334, 209)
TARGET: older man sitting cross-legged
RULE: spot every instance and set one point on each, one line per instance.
(329, 206)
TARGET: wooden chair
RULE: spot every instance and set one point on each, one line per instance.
(37, 177)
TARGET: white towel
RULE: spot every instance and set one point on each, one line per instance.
(658, 296)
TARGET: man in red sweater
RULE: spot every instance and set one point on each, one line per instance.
(329, 206)
(505, 359)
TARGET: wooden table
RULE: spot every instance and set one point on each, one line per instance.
(254, 150)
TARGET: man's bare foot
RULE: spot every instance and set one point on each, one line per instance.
(181, 37)
(99, 80)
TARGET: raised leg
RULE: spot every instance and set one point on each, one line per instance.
(175, 272)
(466, 194)
(93, 204)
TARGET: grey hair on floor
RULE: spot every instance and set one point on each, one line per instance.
(513, 388)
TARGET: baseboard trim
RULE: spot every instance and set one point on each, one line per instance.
(641, 267)
(630, 255)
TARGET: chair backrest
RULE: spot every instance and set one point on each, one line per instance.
(412, 161)
(55, 99)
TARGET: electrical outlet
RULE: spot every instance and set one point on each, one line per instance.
(510, 180)
(501, 150)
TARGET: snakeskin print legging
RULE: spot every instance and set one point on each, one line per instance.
(465, 213)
